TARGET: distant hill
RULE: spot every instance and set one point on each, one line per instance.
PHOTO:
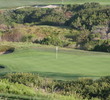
(17, 3)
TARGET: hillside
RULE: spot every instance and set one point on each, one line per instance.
(50, 51)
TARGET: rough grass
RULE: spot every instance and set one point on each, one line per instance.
(16, 3)
(40, 96)
(69, 64)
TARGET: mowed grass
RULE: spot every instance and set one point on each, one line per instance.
(69, 64)
(17, 3)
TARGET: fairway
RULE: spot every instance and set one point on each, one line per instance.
(69, 64)
(17, 3)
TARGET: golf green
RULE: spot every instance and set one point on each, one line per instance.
(69, 63)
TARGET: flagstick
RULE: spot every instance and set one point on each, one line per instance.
(56, 52)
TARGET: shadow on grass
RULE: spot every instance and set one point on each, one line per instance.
(64, 76)
(4, 70)
(2, 67)
(55, 75)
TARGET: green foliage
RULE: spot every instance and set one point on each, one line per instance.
(55, 17)
(97, 45)
(84, 88)
(2, 20)
(105, 47)
(94, 36)
(91, 20)
(27, 79)
(49, 35)
(91, 14)
(54, 41)
(90, 45)
(5, 48)
(15, 88)
(38, 16)
(83, 16)
(28, 38)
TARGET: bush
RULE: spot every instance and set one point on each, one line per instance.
(15, 88)
(5, 48)
(27, 79)
(104, 47)
(54, 41)
(84, 87)
(28, 38)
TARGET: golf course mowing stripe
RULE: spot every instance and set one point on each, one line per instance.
(67, 65)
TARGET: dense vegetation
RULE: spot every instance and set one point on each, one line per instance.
(6, 48)
(83, 88)
(86, 25)
(82, 26)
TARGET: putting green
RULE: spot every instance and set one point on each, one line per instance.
(69, 64)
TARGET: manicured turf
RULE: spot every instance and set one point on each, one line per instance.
(16, 3)
(69, 64)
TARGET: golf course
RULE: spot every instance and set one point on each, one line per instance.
(54, 49)
(17, 3)
(69, 64)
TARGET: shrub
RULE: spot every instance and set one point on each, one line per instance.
(83, 87)
(5, 48)
(54, 41)
(15, 88)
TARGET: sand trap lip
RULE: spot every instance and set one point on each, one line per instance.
(46, 6)
(40, 6)
(6, 52)
(1, 53)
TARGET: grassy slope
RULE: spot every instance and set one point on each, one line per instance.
(40, 96)
(16, 3)
(70, 63)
